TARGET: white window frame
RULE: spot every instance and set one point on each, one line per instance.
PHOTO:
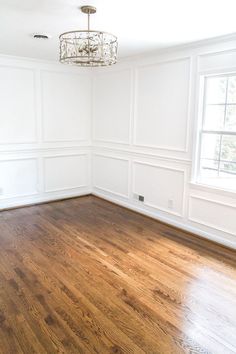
(201, 99)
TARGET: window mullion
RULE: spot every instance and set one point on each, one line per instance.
(218, 132)
(221, 136)
(219, 159)
(226, 99)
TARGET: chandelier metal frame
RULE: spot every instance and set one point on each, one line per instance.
(88, 47)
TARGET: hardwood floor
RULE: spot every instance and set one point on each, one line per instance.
(86, 276)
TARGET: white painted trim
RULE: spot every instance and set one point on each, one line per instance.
(213, 189)
(132, 107)
(65, 188)
(218, 71)
(108, 190)
(22, 62)
(137, 153)
(48, 157)
(42, 149)
(188, 105)
(163, 61)
(2, 198)
(191, 218)
(111, 70)
(179, 224)
(213, 201)
(118, 142)
(34, 72)
(64, 154)
(73, 141)
(169, 211)
(43, 198)
(199, 131)
(63, 72)
(166, 148)
(217, 52)
(111, 156)
(196, 125)
(115, 142)
(111, 192)
(190, 101)
(199, 45)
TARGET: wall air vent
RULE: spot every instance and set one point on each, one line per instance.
(40, 36)
(138, 197)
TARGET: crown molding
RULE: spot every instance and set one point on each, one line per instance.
(179, 47)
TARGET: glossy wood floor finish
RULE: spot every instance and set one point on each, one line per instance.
(87, 276)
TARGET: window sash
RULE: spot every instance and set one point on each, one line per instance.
(220, 133)
(219, 160)
(219, 168)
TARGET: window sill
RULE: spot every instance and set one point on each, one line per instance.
(212, 189)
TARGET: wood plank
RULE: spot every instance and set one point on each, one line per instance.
(86, 276)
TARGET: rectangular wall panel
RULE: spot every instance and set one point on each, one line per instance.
(17, 105)
(162, 105)
(213, 214)
(111, 174)
(66, 106)
(44, 109)
(66, 172)
(18, 177)
(162, 187)
(112, 106)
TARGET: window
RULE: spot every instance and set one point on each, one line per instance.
(217, 138)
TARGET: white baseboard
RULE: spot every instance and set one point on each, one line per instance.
(37, 199)
(44, 198)
(168, 220)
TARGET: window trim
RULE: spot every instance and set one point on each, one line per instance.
(200, 116)
(213, 189)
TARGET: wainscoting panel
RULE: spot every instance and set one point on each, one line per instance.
(162, 105)
(112, 106)
(111, 174)
(45, 131)
(18, 105)
(66, 106)
(18, 177)
(65, 172)
(213, 214)
(162, 187)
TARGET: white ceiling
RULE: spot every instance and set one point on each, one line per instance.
(140, 25)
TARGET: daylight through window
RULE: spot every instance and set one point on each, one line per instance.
(217, 163)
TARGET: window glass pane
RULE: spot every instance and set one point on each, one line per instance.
(208, 168)
(228, 169)
(210, 146)
(231, 96)
(228, 148)
(214, 117)
(217, 165)
(216, 90)
(230, 119)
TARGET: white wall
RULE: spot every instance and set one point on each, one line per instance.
(143, 135)
(144, 123)
(45, 131)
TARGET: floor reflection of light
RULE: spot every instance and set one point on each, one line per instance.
(209, 319)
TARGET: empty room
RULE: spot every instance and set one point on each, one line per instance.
(117, 177)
